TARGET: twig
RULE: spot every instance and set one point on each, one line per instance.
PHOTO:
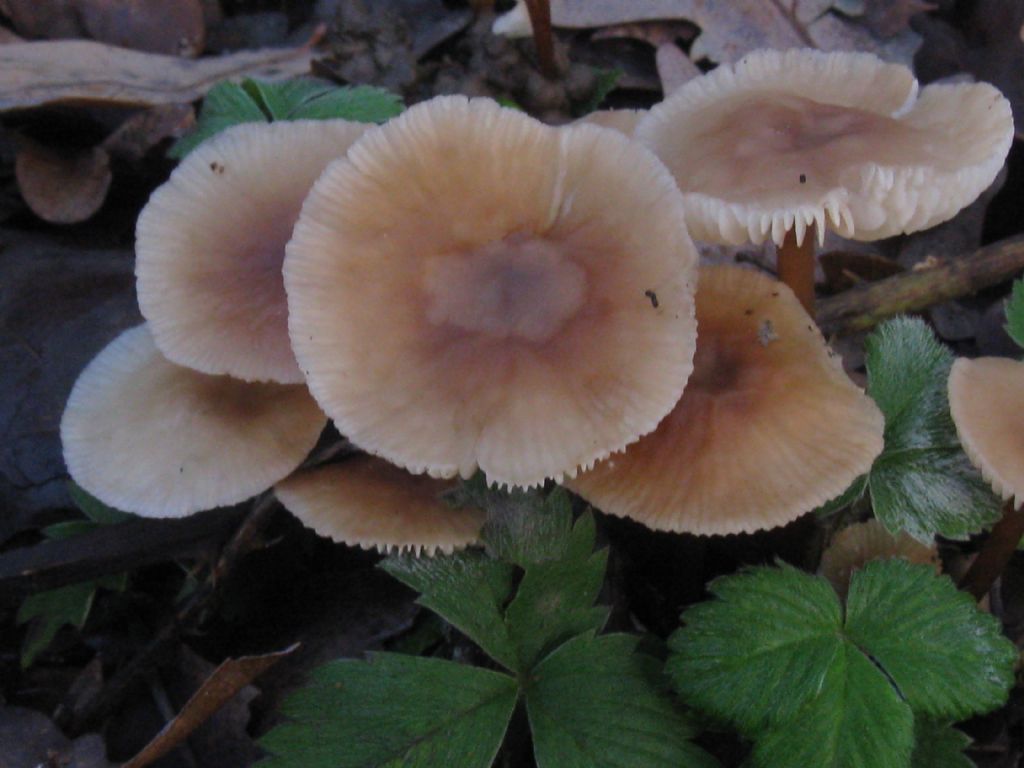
(995, 553)
(543, 37)
(111, 549)
(865, 306)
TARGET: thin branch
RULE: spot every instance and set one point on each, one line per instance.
(112, 549)
(867, 305)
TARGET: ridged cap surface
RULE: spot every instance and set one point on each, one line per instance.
(789, 139)
(160, 440)
(210, 245)
(768, 428)
(366, 502)
(471, 288)
(986, 399)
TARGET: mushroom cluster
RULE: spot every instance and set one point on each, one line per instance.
(465, 288)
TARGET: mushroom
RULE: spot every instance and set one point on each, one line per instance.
(150, 437)
(784, 143)
(986, 398)
(768, 428)
(210, 244)
(858, 544)
(985, 395)
(367, 502)
(471, 288)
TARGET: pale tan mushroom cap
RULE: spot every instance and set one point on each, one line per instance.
(369, 503)
(875, 159)
(986, 399)
(769, 426)
(474, 288)
(859, 544)
(622, 120)
(210, 245)
(150, 437)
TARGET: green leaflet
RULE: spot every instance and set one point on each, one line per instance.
(948, 659)
(856, 721)
(1015, 313)
(391, 711)
(759, 651)
(468, 590)
(939, 745)
(555, 599)
(922, 483)
(595, 701)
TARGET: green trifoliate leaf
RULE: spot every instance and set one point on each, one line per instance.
(555, 599)
(1015, 313)
(595, 703)
(857, 721)
(775, 655)
(761, 650)
(939, 745)
(229, 104)
(394, 711)
(468, 590)
(923, 483)
(947, 658)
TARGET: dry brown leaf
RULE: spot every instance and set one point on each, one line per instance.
(144, 130)
(33, 74)
(227, 680)
(51, 19)
(731, 29)
(173, 27)
(62, 187)
(674, 67)
(654, 32)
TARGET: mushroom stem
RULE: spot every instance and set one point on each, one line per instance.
(796, 266)
(543, 38)
(995, 552)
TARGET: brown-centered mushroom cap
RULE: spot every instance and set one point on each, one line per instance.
(367, 502)
(150, 437)
(986, 399)
(782, 140)
(210, 244)
(858, 544)
(473, 288)
(769, 426)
